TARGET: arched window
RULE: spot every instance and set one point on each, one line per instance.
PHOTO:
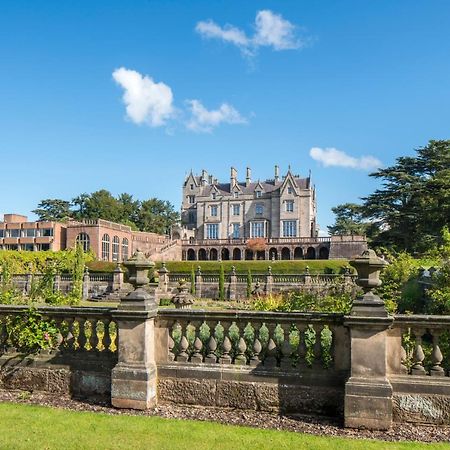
(115, 248)
(105, 247)
(124, 249)
(84, 241)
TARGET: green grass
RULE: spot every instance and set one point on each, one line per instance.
(282, 267)
(38, 427)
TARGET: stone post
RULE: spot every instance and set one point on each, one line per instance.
(117, 278)
(232, 291)
(198, 282)
(133, 379)
(163, 276)
(269, 281)
(307, 276)
(368, 392)
(86, 283)
(29, 282)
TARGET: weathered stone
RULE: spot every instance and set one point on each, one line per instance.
(25, 379)
(235, 394)
(187, 391)
(421, 408)
(59, 381)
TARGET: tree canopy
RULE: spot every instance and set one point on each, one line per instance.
(152, 215)
(410, 209)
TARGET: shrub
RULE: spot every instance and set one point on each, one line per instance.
(221, 283)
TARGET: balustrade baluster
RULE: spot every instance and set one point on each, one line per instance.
(403, 358)
(69, 340)
(183, 355)
(106, 341)
(226, 345)
(436, 356)
(171, 344)
(255, 360)
(211, 355)
(197, 356)
(240, 358)
(302, 346)
(82, 339)
(419, 356)
(317, 348)
(93, 338)
(286, 348)
(59, 336)
(271, 350)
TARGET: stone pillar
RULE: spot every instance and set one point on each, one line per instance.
(198, 282)
(163, 275)
(368, 392)
(269, 281)
(232, 291)
(56, 282)
(86, 283)
(307, 276)
(133, 379)
(117, 278)
(29, 282)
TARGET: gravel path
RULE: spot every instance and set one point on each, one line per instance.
(303, 424)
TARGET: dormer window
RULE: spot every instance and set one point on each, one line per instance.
(235, 194)
(213, 195)
(258, 194)
(192, 187)
(290, 190)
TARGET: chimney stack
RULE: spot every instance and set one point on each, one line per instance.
(277, 174)
(248, 178)
(233, 177)
(204, 179)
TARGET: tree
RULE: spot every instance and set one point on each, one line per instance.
(222, 283)
(53, 210)
(348, 220)
(413, 205)
(156, 216)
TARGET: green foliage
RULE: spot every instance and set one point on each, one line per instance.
(413, 205)
(439, 292)
(29, 332)
(304, 302)
(348, 220)
(249, 283)
(221, 283)
(152, 215)
(78, 273)
(53, 210)
(242, 267)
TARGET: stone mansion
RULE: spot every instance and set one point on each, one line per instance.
(219, 220)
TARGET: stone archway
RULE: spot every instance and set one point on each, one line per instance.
(285, 253)
(273, 254)
(237, 254)
(202, 255)
(324, 253)
(213, 254)
(248, 254)
(260, 255)
(311, 253)
(298, 253)
(225, 254)
(191, 254)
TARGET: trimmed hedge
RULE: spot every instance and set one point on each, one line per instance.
(280, 267)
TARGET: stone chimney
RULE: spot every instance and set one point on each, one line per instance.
(233, 177)
(248, 178)
(204, 180)
(277, 174)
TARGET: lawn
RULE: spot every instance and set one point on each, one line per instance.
(38, 427)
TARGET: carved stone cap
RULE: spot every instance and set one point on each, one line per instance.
(138, 266)
(368, 266)
(163, 269)
(183, 298)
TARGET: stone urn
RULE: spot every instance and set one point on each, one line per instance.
(368, 266)
(183, 299)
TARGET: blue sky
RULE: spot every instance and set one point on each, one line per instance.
(370, 79)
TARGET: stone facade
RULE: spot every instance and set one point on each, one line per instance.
(220, 220)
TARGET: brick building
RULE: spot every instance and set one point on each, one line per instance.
(109, 241)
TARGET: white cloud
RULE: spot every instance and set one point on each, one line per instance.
(333, 157)
(203, 120)
(271, 30)
(146, 101)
